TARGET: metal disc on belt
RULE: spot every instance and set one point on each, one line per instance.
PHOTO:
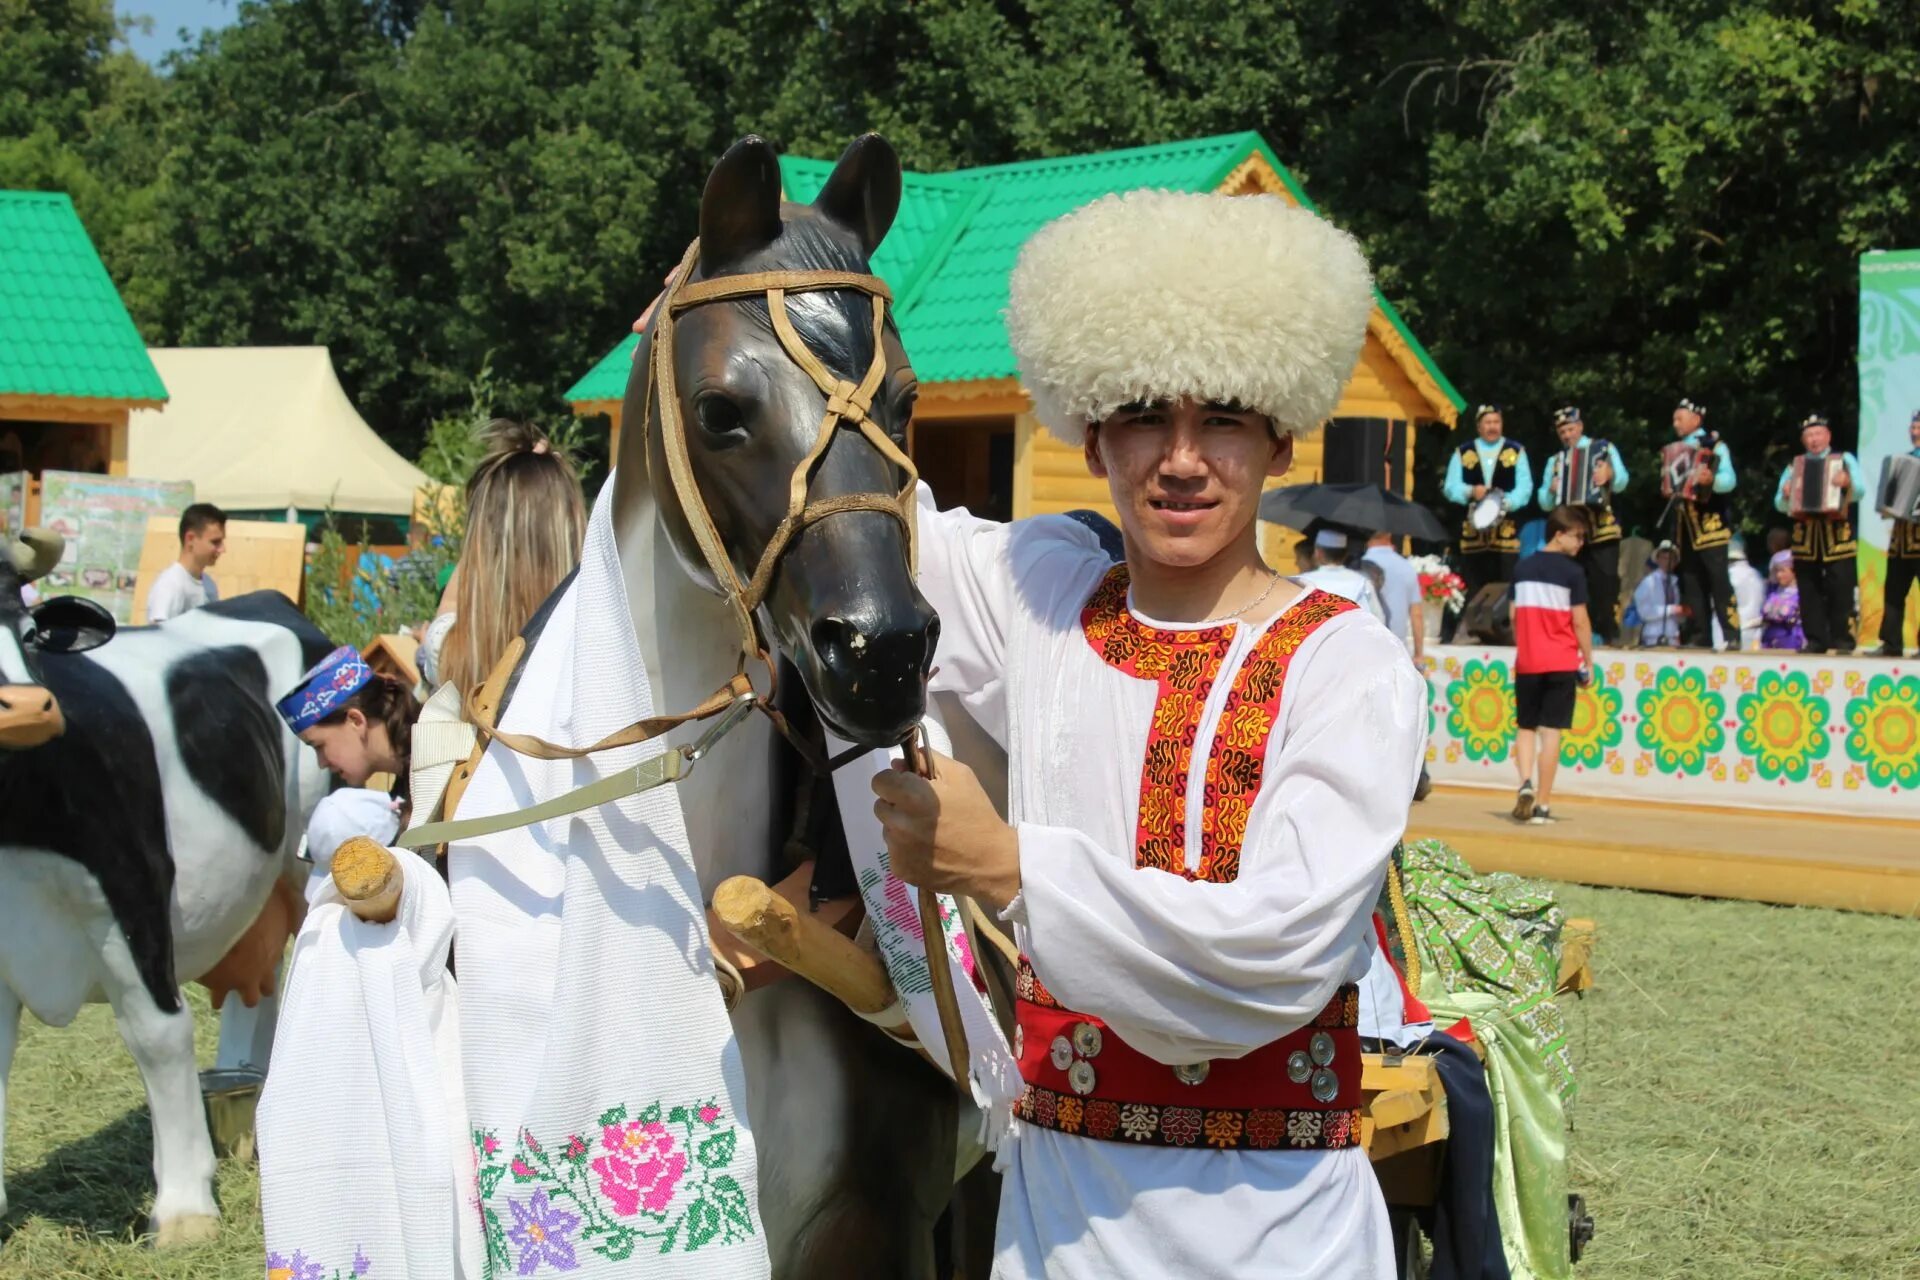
(1321, 1047)
(1192, 1072)
(1019, 1041)
(1299, 1066)
(1081, 1078)
(1326, 1085)
(1087, 1040)
(1061, 1052)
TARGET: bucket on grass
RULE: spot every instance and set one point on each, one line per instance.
(231, 1094)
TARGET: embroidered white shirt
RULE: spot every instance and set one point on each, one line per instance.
(1182, 970)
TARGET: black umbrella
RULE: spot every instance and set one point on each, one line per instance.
(1354, 506)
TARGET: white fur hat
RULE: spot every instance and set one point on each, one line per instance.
(1160, 295)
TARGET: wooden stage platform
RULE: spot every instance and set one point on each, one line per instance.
(1856, 864)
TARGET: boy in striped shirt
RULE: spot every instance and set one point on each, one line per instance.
(1555, 642)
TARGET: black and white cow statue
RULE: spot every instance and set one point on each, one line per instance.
(151, 804)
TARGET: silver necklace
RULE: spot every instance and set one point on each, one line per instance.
(1260, 599)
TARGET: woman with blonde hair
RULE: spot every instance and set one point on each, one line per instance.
(526, 520)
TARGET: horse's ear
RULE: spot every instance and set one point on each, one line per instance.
(740, 208)
(864, 192)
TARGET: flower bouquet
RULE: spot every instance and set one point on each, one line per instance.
(1439, 584)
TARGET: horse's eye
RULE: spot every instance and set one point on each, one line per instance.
(718, 415)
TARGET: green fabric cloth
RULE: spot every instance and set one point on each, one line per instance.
(445, 575)
(1490, 952)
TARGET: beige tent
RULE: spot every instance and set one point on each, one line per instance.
(264, 429)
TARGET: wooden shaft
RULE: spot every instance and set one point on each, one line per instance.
(940, 966)
(369, 879)
(816, 951)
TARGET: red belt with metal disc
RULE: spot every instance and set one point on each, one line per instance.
(1302, 1092)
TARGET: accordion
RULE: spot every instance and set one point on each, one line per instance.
(1813, 485)
(1679, 463)
(1899, 491)
(1573, 482)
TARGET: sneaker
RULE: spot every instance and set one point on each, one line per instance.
(1523, 803)
(1882, 652)
(1541, 816)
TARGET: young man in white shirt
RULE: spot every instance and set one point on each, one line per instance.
(185, 584)
(1657, 599)
(1209, 763)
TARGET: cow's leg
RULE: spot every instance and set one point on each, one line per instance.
(9, 1036)
(162, 1046)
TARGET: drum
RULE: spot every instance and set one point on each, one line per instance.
(1485, 514)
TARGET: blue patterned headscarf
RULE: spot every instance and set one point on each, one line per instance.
(325, 689)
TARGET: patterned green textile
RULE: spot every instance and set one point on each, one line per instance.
(1489, 950)
(1497, 934)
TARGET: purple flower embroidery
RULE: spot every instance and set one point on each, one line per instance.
(361, 1263)
(540, 1230)
(281, 1267)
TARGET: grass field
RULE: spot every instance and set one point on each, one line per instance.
(1749, 1108)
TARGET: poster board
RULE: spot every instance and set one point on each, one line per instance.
(13, 501)
(1889, 396)
(104, 520)
(262, 555)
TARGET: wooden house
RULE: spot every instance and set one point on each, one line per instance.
(948, 259)
(72, 365)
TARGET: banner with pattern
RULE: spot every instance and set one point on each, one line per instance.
(1764, 730)
(1889, 363)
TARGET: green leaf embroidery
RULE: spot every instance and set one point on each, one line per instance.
(703, 1224)
(489, 1179)
(732, 1200)
(716, 1152)
(613, 1115)
(651, 1115)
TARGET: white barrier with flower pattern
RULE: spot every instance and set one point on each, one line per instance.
(1760, 730)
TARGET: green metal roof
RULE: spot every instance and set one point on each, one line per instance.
(63, 329)
(951, 251)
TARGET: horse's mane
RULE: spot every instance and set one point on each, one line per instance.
(836, 325)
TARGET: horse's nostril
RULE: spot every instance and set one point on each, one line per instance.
(933, 641)
(837, 638)
(49, 707)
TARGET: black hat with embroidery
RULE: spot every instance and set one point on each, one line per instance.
(1692, 406)
(1561, 417)
(1482, 411)
(1816, 420)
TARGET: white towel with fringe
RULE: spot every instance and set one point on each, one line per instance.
(365, 1168)
(605, 1090)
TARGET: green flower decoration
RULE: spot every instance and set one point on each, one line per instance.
(1480, 715)
(1680, 720)
(1783, 726)
(1884, 731)
(1596, 724)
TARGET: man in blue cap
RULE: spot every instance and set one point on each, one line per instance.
(1824, 544)
(1903, 568)
(1600, 555)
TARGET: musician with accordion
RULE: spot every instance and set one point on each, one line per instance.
(1696, 478)
(1491, 477)
(1818, 489)
(1587, 473)
(1898, 499)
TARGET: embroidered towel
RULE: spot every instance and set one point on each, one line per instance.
(364, 1162)
(605, 1090)
(893, 911)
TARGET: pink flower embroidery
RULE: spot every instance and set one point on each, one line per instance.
(521, 1169)
(641, 1169)
(709, 1113)
(576, 1147)
(490, 1144)
(901, 908)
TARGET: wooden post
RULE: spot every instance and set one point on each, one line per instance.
(1024, 425)
(369, 878)
(798, 941)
